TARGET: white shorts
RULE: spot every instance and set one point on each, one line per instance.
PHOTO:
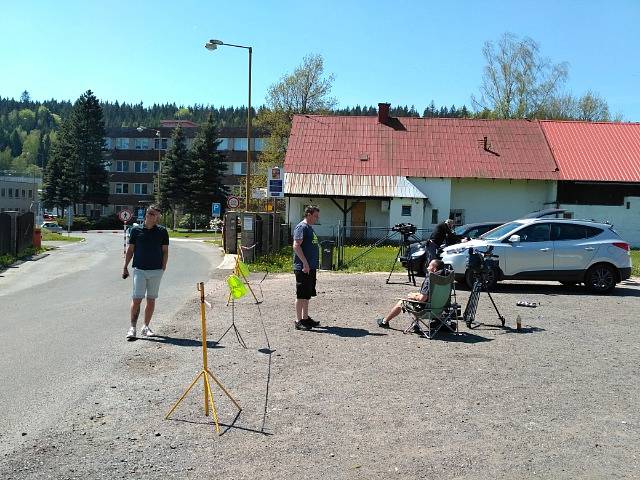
(146, 282)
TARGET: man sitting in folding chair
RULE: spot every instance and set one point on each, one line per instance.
(427, 305)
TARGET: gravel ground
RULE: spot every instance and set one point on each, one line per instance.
(559, 399)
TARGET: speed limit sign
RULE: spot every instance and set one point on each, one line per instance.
(233, 202)
(125, 215)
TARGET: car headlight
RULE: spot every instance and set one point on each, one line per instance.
(457, 251)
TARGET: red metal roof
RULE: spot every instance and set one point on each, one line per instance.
(607, 152)
(419, 147)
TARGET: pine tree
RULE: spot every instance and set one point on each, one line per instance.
(56, 193)
(207, 170)
(174, 176)
(87, 139)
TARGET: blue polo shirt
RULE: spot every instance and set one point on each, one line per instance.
(304, 232)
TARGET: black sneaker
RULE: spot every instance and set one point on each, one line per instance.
(312, 322)
(303, 325)
(381, 323)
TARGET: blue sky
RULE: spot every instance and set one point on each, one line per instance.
(403, 52)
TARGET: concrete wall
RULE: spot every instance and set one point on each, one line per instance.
(438, 191)
(486, 200)
(626, 221)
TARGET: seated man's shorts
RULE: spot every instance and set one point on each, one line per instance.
(146, 282)
(305, 284)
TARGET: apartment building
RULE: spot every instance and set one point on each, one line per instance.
(19, 193)
(136, 155)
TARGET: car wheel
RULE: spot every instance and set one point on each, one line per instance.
(600, 278)
(491, 278)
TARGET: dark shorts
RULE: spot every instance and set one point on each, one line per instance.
(305, 284)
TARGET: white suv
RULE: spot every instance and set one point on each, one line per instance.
(567, 251)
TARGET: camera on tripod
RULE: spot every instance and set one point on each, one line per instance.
(404, 229)
(482, 262)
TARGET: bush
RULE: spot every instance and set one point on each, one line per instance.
(186, 222)
(79, 223)
(106, 223)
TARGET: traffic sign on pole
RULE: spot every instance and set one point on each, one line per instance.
(233, 202)
(216, 209)
(125, 215)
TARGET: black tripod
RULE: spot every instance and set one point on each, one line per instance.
(479, 284)
(407, 239)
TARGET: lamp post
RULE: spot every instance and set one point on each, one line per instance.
(212, 45)
(142, 129)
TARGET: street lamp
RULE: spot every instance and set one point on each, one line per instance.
(212, 45)
(142, 129)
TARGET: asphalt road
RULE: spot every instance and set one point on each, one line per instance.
(63, 321)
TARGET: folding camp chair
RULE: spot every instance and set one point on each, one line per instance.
(429, 317)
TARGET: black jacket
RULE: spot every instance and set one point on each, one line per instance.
(443, 234)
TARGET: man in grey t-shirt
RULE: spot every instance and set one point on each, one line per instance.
(305, 264)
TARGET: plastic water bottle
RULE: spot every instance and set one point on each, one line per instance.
(518, 323)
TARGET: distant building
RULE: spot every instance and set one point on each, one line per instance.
(135, 159)
(19, 193)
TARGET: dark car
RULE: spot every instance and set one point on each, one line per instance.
(417, 252)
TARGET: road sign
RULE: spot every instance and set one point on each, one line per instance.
(233, 202)
(125, 215)
(216, 209)
(275, 182)
(140, 214)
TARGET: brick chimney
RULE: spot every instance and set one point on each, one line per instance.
(383, 113)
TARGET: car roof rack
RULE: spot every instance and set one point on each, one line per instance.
(544, 213)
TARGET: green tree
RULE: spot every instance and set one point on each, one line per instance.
(15, 143)
(173, 192)
(207, 170)
(86, 135)
(517, 81)
(58, 184)
(306, 90)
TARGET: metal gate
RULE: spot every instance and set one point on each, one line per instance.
(24, 233)
(5, 234)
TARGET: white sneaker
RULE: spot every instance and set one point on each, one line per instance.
(131, 333)
(146, 332)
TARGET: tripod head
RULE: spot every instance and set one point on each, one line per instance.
(406, 230)
(482, 262)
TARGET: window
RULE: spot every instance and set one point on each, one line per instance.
(434, 216)
(142, 143)
(122, 188)
(239, 168)
(141, 167)
(24, 193)
(240, 144)
(30, 193)
(122, 166)
(122, 143)
(160, 141)
(10, 192)
(17, 192)
(107, 143)
(156, 167)
(457, 216)
(224, 144)
(259, 144)
(406, 210)
(535, 233)
(1, 192)
(140, 188)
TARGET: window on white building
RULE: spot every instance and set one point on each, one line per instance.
(240, 144)
(142, 143)
(141, 167)
(140, 188)
(406, 210)
(239, 168)
(224, 144)
(122, 188)
(156, 167)
(122, 165)
(122, 144)
(259, 144)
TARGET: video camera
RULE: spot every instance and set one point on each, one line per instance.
(404, 228)
(482, 262)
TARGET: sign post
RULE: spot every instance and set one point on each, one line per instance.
(275, 182)
(233, 202)
(125, 215)
(216, 209)
(69, 219)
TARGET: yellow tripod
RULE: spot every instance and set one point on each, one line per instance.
(205, 373)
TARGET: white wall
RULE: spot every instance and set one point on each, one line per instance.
(486, 200)
(438, 191)
(625, 221)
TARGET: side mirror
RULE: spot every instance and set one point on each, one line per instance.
(514, 239)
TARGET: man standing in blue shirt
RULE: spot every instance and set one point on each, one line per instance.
(305, 264)
(149, 248)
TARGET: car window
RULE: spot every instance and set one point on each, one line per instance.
(593, 231)
(539, 232)
(501, 231)
(473, 233)
(568, 231)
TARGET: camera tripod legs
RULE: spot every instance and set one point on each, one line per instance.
(410, 273)
(472, 305)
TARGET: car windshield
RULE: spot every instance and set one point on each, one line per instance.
(500, 231)
(459, 230)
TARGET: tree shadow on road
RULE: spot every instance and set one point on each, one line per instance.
(180, 342)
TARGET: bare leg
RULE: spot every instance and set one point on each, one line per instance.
(135, 310)
(148, 310)
(302, 308)
(394, 312)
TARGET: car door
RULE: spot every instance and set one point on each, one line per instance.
(532, 256)
(572, 250)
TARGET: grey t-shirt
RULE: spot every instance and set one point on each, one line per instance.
(304, 232)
